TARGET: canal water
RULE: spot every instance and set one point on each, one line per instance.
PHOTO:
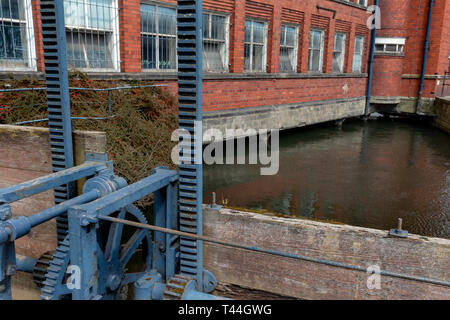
(366, 174)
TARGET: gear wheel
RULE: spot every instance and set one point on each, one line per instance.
(114, 258)
(40, 268)
(54, 287)
(176, 287)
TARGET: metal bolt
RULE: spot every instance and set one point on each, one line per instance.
(400, 224)
(213, 199)
(113, 282)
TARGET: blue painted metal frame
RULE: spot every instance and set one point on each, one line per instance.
(58, 99)
(190, 74)
(84, 221)
(13, 229)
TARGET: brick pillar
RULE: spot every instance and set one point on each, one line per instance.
(328, 60)
(305, 44)
(36, 10)
(273, 60)
(237, 33)
(130, 35)
(350, 49)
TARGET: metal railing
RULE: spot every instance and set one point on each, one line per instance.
(109, 92)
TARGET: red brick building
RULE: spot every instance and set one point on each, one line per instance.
(306, 59)
(399, 53)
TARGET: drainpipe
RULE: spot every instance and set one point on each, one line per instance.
(372, 52)
(425, 54)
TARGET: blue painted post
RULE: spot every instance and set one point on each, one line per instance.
(172, 243)
(159, 213)
(425, 57)
(371, 56)
(83, 252)
(58, 99)
(190, 63)
(7, 261)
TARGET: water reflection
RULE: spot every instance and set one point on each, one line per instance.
(365, 174)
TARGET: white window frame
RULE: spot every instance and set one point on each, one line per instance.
(359, 70)
(322, 49)
(362, 3)
(398, 42)
(114, 44)
(226, 54)
(157, 34)
(296, 44)
(251, 43)
(31, 46)
(344, 48)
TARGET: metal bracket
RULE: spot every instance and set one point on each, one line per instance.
(399, 233)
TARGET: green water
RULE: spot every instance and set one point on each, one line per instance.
(366, 174)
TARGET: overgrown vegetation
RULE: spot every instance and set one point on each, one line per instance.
(139, 136)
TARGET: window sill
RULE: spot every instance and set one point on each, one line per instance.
(251, 76)
(389, 54)
(172, 76)
(351, 4)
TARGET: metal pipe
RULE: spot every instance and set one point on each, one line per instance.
(73, 118)
(425, 56)
(29, 188)
(56, 211)
(274, 252)
(372, 53)
(25, 264)
(86, 89)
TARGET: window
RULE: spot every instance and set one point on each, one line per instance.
(358, 54)
(255, 46)
(316, 38)
(158, 37)
(288, 48)
(362, 2)
(16, 35)
(92, 34)
(389, 45)
(339, 52)
(215, 42)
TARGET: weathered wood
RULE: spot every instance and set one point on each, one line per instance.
(25, 155)
(420, 256)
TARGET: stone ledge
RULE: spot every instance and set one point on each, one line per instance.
(150, 76)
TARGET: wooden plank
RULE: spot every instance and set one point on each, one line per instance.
(25, 155)
(420, 256)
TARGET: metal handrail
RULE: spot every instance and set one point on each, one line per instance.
(108, 90)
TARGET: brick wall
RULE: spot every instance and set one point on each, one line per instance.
(408, 19)
(228, 92)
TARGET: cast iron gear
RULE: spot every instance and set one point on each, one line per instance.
(176, 287)
(114, 255)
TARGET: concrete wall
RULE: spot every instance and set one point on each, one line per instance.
(420, 256)
(443, 114)
(283, 116)
(25, 155)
